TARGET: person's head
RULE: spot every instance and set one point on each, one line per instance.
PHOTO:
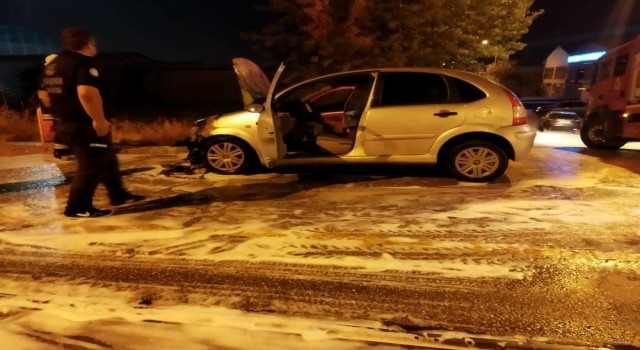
(79, 40)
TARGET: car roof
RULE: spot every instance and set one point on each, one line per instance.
(478, 80)
(446, 71)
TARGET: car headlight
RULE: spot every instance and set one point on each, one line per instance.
(199, 125)
(201, 121)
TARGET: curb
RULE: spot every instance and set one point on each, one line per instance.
(150, 149)
(47, 147)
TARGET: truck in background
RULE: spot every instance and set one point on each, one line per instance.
(613, 116)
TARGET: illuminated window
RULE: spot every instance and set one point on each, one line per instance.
(561, 73)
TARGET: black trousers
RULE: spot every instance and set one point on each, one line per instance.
(96, 163)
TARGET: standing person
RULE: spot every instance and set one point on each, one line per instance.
(59, 150)
(71, 81)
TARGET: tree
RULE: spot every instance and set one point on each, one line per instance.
(523, 81)
(320, 36)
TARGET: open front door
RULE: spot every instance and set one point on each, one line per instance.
(269, 132)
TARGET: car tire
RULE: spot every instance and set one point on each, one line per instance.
(592, 135)
(228, 155)
(477, 161)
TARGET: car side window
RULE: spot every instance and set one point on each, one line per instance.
(408, 88)
(327, 93)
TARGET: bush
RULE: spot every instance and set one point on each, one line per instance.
(18, 126)
(161, 132)
(23, 127)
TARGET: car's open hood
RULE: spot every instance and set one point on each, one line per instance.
(254, 84)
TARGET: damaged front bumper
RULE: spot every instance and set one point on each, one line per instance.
(194, 146)
(189, 165)
(195, 143)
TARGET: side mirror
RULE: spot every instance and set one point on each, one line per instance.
(255, 108)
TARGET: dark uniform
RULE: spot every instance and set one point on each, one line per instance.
(59, 150)
(97, 162)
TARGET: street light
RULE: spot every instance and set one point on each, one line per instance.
(495, 57)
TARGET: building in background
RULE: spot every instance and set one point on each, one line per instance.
(134, 85)
(554, 78)
(569, 76)
(582, 66)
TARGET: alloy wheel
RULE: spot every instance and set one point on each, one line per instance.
(226, 157)
(477, 162)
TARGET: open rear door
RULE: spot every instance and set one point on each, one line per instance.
(269, 131)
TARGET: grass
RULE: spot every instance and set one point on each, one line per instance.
(23, 127)
(160, 132)
(18, 126)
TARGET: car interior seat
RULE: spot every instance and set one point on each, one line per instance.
(334, 144)
(343, 143)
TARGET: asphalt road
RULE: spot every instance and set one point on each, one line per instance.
(550, 252)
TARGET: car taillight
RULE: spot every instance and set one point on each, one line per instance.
(519, 113)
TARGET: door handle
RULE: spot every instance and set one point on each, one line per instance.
(444, 114)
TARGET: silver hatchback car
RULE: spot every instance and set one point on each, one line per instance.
(459, 120)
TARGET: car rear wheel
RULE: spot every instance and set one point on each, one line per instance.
(593, 136)
(477, 161)
(227, 155)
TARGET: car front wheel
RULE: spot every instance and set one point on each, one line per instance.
(227, 156)
(477, 161)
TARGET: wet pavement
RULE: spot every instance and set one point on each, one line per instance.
(549, 254)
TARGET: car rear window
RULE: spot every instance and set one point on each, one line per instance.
(563, 116)
(407, 88)
(466, 92)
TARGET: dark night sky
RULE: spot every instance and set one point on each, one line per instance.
(161, 29)
(573, 23)
(209, 30)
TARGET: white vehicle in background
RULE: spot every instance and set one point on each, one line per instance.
(459, 120)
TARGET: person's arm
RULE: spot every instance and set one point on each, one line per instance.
(91, 101)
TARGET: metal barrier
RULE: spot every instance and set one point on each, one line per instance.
(48, 134)
(45, 125)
